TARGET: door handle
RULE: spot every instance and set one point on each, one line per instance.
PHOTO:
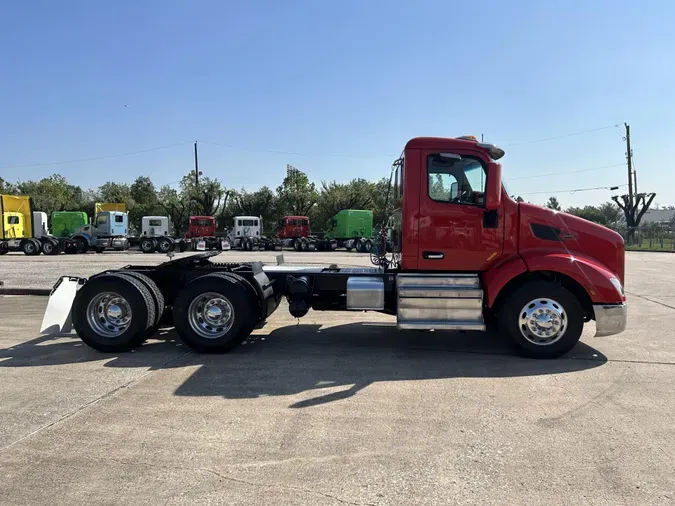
(433, 255)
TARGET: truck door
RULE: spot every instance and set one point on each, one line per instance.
(456, 233)
(13, 226)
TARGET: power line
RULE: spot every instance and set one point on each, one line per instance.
(558, 137)
(573, 190)
(299, 153)
(566, 172)
(91, 159)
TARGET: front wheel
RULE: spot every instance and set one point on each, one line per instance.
(543, 318)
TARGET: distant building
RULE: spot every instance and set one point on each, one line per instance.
(654, 216)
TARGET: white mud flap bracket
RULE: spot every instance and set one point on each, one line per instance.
(58, 318)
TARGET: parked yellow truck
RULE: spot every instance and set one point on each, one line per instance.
(23, 229)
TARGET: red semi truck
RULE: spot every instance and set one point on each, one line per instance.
(201, 234)
(464, 255)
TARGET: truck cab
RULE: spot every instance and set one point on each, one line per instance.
(154, 226)
(292, 227)
(247, 226)
(202, 226)
(66, 223)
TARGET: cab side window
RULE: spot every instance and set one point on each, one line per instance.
(455, 179)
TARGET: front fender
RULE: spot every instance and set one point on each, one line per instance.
(594, 277)
(496, 278)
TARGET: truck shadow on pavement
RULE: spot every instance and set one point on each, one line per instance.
(334, 363)
(297, 359)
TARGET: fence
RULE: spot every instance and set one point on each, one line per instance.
(649, 237)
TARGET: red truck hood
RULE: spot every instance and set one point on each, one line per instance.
(539, 227)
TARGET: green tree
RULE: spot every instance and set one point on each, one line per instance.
(606, 214)
(296, 195)
(116, 193)
(176, 206)
(208, 198)
(144, 198)
(261, 203)
(52, 193)
(553, 203)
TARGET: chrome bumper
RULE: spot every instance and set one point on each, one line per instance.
(610, 319)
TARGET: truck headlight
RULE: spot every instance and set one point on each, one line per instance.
(617, 285)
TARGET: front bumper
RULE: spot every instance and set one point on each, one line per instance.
(610, 319)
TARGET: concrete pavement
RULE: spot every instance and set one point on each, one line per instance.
(340, 408)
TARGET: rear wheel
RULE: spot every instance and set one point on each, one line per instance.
(113, 313)
(147, 245)
(304, 244)
(30, 247)
(157, 297)
(359, 246)
(213, 314)
(4, 248)
(296, 245)
(543, 318)
(50, 247)
(367, 246)
(164, 245)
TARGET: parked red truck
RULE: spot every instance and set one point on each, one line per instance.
(464, 255)
(202, 233)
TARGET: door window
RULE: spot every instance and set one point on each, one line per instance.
(455, 179)
(12, 220)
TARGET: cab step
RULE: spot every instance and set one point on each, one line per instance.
(440, 301)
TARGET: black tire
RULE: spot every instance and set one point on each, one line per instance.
(234, 293)
(252, 296)
(4, 248)
(164, 244)
(304, 244)
(543, 292)
(367, 246)
(157, 297)
(142, 307)
(359, 246)
(147, 245)
(296, 245)
(50, 247)
(81, 244)
(29, 247)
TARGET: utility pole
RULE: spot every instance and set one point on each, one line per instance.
(196, 166)
(629, 158)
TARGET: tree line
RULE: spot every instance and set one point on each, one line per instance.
(210, 197)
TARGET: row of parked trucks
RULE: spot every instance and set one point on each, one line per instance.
(22, 229)
(73, 232)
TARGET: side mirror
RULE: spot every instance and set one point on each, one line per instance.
(453, 190)
(493, 192)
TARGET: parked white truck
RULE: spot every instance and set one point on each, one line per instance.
(246, 234)
(156, 236)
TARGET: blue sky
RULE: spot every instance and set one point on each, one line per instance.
(317, 80)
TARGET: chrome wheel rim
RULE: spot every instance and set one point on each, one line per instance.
(109, 314)
(543, 321)
(30, 247)
(147, 245)
(211, 315)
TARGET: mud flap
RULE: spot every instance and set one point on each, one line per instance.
(57, 318)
